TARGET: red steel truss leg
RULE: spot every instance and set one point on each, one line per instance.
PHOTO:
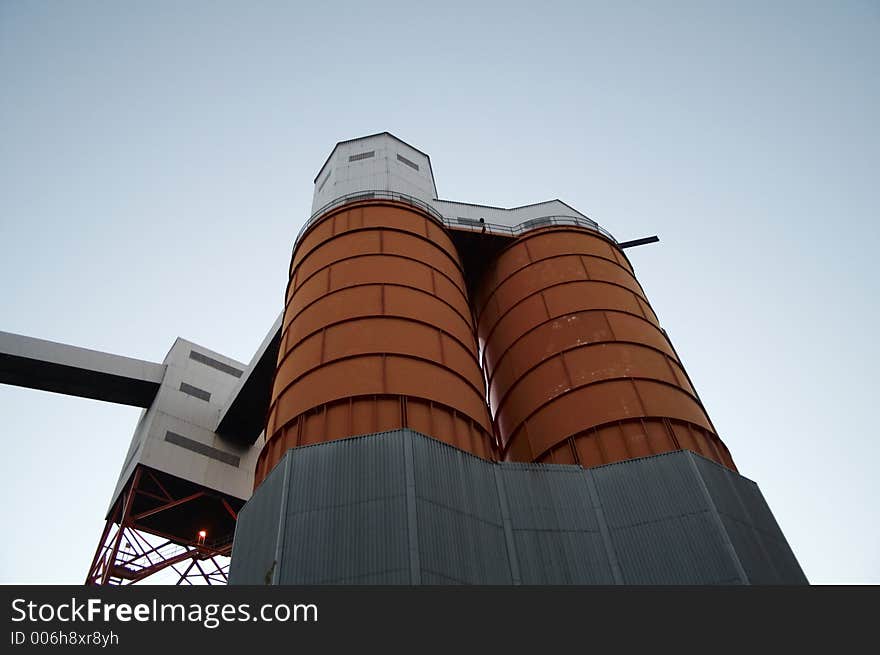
(151, 543)
(123, 522)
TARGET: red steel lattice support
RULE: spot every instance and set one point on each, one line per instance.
(130, 551)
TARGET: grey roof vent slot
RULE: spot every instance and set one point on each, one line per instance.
(406, 161)
(201, 448)
(195, 392)
(362, 155)
(213, 363)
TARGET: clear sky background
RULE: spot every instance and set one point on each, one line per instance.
(156, 162)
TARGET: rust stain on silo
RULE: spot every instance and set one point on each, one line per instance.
(579, 370)
(377, 335)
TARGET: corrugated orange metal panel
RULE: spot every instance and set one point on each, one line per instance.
(377, 335)
(579, 370)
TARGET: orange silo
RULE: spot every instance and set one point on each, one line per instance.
(377, 334)
(578, 367)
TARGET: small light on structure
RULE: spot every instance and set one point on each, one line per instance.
(202, 535)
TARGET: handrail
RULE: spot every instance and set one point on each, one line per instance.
(453, 224)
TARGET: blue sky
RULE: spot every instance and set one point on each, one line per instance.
(156, 162)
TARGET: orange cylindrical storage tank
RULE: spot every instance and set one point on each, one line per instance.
(377, 335)
(579, 370)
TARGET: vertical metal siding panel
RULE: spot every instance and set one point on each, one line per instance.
(437, 579)
(750, 550)
(786, 564)
(349, 471)
(755, 505)
(769, 533)
(256, 532)
(451, 478)
(676, 550)
(399, 577)
(669, 519)
(348, 542)
(347, 513)
(648, 489)
(548, 497)
(662, 528)
(460, 546)
(759, 543)
(554, 524)
(562, 557)
(723, 489)
(461, 536)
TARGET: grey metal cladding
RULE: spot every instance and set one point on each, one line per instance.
(662, 528)
(675, 550)
(253, 560)
(460, 546)
(436, 579)
(547, 497)
(394, 577)
(201, 448)
(339, 543)
(195, 392)
(449, 477)
(647, 489)
(406, 161)
(556, 531)
(759, 543)
(354, 488)
(402, 508)
(752, 553)
(756, 507)
(787, 567)
(562, 557)
(347, 471)
(722, 488)
(214, 363)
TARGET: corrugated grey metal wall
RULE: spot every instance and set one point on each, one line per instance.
(401, 508)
